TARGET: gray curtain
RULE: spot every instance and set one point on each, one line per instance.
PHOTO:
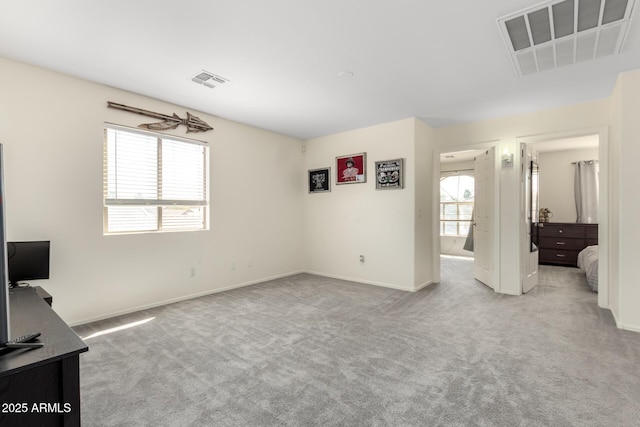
(468, 243)
(586, 191)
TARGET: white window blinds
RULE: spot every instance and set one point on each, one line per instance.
(153, 182)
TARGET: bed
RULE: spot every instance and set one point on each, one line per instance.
(588, 261)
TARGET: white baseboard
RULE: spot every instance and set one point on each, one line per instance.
(182, 298)
(514, 294)
(424, 285)
(241, 285)
(631, 328)
(620, 325)
(615, 318)
(370, 282)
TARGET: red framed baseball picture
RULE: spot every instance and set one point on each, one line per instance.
(351, 169)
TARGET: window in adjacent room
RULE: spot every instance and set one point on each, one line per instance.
(456, 204)
(154, 182)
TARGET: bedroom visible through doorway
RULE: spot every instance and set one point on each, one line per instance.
(558, 157)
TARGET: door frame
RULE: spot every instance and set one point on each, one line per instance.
(496, 206)
(603, 205)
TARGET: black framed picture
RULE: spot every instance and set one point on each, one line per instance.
(390, 174)
(319, 180)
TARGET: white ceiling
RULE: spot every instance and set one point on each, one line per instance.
(443, 62)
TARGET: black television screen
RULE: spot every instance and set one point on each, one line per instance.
(27, 261)
(4, 277)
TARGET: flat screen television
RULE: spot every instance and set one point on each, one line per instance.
(4, 274)
(38, 269)
(27, 261)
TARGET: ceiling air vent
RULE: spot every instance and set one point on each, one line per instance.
(208, 79)
(559, 33)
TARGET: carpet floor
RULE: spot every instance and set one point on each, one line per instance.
(313, 351)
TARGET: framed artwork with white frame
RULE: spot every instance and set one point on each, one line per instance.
(390, 174)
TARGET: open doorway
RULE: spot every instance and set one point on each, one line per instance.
(507, 263)
(457, 196)
(465, 211)
(557, 158)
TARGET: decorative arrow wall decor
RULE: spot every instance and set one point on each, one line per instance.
(193, 123)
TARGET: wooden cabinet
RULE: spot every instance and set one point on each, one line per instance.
(560, 243)
(40, 386)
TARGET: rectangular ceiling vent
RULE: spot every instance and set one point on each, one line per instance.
(564, 32)
(208, 79)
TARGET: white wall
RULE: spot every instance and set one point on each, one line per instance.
(557, 181)
(615, 148)
(423, 212)
(453, 245)
(357, 219)
(627, 206)
(51, 126)
(466, 167)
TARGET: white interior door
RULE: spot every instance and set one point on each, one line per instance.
(483, 219)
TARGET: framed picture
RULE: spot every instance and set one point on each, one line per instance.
(390, 174)
(319, 180)
(351, 169)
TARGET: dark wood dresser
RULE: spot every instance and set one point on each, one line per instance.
(41, 386)
(560, 243)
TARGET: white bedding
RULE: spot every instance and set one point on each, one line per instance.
(588, 261)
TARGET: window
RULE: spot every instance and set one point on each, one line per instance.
(456, 204)
(153, 182)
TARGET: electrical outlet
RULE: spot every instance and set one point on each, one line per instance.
(233, 265)
(361, 259)
(192, 272)
(250, 263)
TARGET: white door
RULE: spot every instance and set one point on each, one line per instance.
(529, 215)
(483, 219)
